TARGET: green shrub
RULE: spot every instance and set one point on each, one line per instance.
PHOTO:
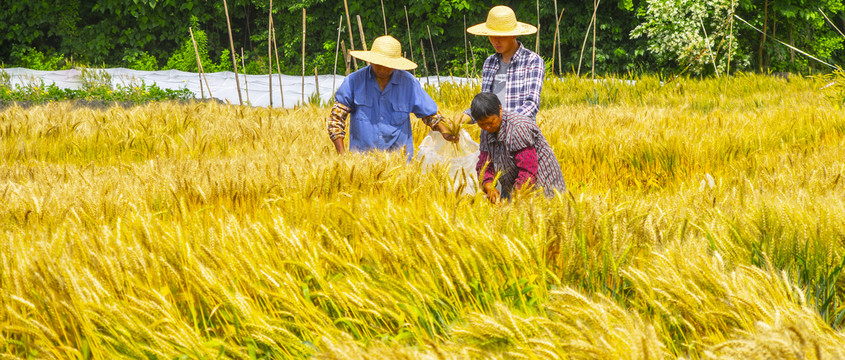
(138, 60)
(30, 58)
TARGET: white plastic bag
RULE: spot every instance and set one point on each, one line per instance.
(461, 158)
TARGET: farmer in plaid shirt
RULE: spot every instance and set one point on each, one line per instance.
(513, 146)
(514, 74)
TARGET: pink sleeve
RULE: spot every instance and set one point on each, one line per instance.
(526, 163)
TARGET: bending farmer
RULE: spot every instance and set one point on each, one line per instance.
(514, 73)
(380, 98)
(512, 144)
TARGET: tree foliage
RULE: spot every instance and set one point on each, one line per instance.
(144, 33)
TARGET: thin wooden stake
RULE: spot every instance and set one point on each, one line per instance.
(433, 55)
(336, 48)
(246, 84)
(278, 67)
(595, 25)
(474, 68)
(199, 66)
(425, 65)
(730, 41)
(317, 85)
(557, 41)
(349, 26)
(537, 44)
(361, 32)
(232, 48)
(383, 17)
(411, 41)
(586, 36)
(270, 52)
(466, 56)
(303, 56)
(709, 49)
(345, 56)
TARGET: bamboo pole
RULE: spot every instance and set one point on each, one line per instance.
(199, 66)
(199, 73)
(763, 37)
(474, 68)
(586, 36)
(345, 56)
(411, 41)
(425, 65)
(232, 48)
(303, 56)
(361, 32)
(595, 25)
(270, 51)
(349, 26)
(730, 41)
(383, 17)
(336, 48)
(830, 22)
(433, 55)
(466, 57)
(278, 67)
(537, 44)
(246, 84)
(557, 42)
(709, 49)
(317, 85)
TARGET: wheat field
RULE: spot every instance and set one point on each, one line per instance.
(704, 219)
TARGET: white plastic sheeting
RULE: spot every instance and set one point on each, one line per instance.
(222, 84)
(460, 158)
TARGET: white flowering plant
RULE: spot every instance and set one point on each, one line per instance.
(691, 33)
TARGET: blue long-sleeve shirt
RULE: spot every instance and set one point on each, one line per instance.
(379, 119)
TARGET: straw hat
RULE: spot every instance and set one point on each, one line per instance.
(386, 51)
(501, 21)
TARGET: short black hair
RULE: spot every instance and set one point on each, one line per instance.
(483, 105)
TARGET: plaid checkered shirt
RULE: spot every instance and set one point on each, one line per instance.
(525, 81)
(521, 153)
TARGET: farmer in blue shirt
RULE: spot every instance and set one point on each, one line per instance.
(380, 98)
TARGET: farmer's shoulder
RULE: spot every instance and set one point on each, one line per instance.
(529, 57)
(518, 120)
(359, 75)
(405, 77)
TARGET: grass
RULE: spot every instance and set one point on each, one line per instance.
(209, 231)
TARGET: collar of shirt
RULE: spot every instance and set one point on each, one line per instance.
(394, 79)
(501, 135)
(519, 51)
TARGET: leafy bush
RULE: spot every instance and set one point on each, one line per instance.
(138, 60)
(97, 86)
(33, 59)
(676, 33)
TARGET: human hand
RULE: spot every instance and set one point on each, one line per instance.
(446, 132)
(338, 146)
(492, 194)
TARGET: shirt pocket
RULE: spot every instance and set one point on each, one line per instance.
(400, 113)
(363, 108)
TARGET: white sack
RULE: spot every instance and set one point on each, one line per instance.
(461, 158)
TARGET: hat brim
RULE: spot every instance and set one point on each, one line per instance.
(521, 29)
(376, 58)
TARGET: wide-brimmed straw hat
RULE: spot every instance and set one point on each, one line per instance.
(386, 51)
(501, 21)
